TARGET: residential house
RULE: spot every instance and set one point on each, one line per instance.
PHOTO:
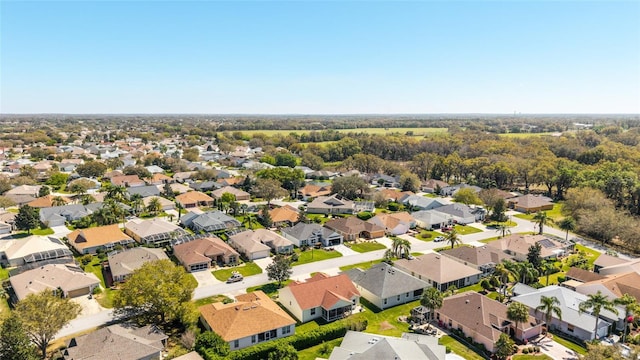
(5, 228)
(482, 258)
(333, 204)
(165, 204)
(189, 356)
(320, 297)
(606, 260)
(393, 195)
(123, 263)
(20, 200)
(71, 280)
(59, 215)
(177, 188)
(321, 175)
(451, 190)
(360, 345)
(31, 190)
(70, 165)
(277, 243)
(530, 203)
(612, 286)
(245, 244)
(46, 201)
(284, 216)
(385, 286)
(160, 179)
(120, 341)
(194, 199)
(621, 268)
(111, 174)
(483, 319)
(88, 241)
(461, 213)
(517, 245)
(199, 254)
(421, 202)
(156, 231)
(183, 176)
(312, 191)
(385, 180)
(352, 228)
(127, 181)
(230, 181)
(432, 186)
(440, 271)
(239, 194)
(209, 221)
(431, 219)
(575, 323)
(144, 191)
(154, 169)
(252, 319)
(33, 250)
(394, 223)
(303, 234)
(204, 185)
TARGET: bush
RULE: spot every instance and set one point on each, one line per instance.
(393, 206)
(562, 279)
(447, 349)
(525, 351)
(364, 215)
(85, 259)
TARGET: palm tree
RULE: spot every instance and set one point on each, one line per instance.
(597, 302)
(526, 272)
(136, 203)
(517, 312)
(502, 273)
(546, 268)
(58, 201)
(154, 205)
(549, 305)
(432, 300)
(388, 256)
(541, 219)
(116, 192)
(503, 229)
(250, 220)
(452, 238)
(630, 307)
(568, 224)
(400, 247)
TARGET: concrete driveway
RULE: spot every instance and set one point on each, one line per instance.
(60, 231)
(89, 306)
(554, 350)
(205, 278)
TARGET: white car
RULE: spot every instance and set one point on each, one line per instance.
(438, 238)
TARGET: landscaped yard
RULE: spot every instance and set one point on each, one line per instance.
(319, 351)
(363, 265)
(41, 232)
(269, 289)
(568, 344)
(459, 348)
(427, 235)
(554, 214)
(312, 255)
(212, 299)
(104, 298)
(466, 230)
(318, 218)
(246, 269)
(531, 357)
(367, 246)
(255, 223)
(385, 322)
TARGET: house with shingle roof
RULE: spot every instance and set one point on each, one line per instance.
(483, 319)
(122, 264)
(252, 319)
(430, 186)
(605, 261)
(165, 204)
(422, 202)
(245, 244)
(358, 345)
(160, 179)
(198, 254)
(386, 286)
(284, 216)
(58, 215)
(275, 242)
(451, 190)
(69, 278)
(209, 221)
(119, 342)
(612, 286)
(530, 203)
(461, 213)
(440, 271)
(482, 258)
(303, 234)
(431, 219)
(333, 204)
(193, 199)
(156, 231)
(311, 191)
(46, 201)
(352, 228)
(33, 249)
(127, 181)
(394, 223)
(321, 296)
(144, 191)
(517, 245)
(88, 241)
(239, 194)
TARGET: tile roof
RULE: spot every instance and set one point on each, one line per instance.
(285, 213)
(50, 277)
(45, 201)
(202, 250)
(313, 190)
(302, 231)
(251, 314)
(192, 197)
(97, 236)
(391, 220)
(323, 290)
(124, 263)
(531, 201)
(519, 244)
(583, 275)
(231, 190)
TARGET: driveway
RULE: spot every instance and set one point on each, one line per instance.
(345, 251)
(554, 350)
(89, 306)
(60, 231)
(205, 278)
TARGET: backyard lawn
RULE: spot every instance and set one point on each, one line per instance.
(42, 232)
(459, 348)
(318, 218)
(363, 265)
(269, 289)
(104, 298)
(247, 269)
(319, 351)
(367, 246)
(312, 255)
(466, 230)
(4, 305)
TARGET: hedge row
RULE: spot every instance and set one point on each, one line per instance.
(299, 341)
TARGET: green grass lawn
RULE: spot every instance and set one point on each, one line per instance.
(212, 299)
(459, 348)
(45, 231)
(429, 195)
(568, 344)
(269, 289)
(247, 269)
(465, 230)
(385, 322)
(255, 224)
(592, 255)
(306, 327)
(312, 255)
(427, 235)
(554, 214)
(4, 305)
(531, 357)
(363, 265)
(318, 218)
(495, 224)
(367, 246)
(322, 351)
(4, 274)
(105, 297)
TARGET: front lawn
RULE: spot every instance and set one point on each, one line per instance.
(531, 357)
(212, 299)
(4, 274)
(105, 297)
(42, 232)
(554, 214)
(246, 269)
(322, 351)
(569, 344)
(427, 235)
(269, 289)
(312, 255)
(367, 246)
(363, 265)
(466, 230)
(459, 348)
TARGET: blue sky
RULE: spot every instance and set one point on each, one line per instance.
(319, 57)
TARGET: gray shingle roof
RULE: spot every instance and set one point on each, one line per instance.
(386, 281)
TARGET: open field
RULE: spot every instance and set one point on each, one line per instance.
(373, 131)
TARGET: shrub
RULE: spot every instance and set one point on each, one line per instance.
(393, 206)
(447, 349)
(364, 215)
(525, 351)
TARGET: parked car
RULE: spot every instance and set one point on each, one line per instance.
(438, 238)
(235, 277)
